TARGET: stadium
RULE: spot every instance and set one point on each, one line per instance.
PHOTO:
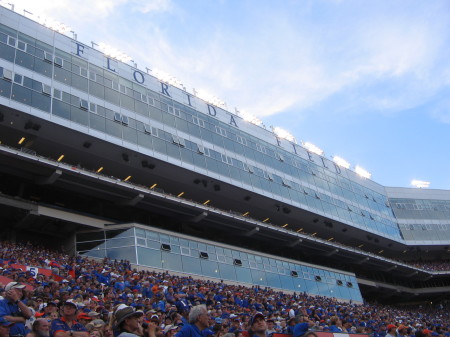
(101, 159)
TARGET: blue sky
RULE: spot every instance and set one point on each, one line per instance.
(366, 80)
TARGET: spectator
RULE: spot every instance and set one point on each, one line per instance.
(391, 330)
(128, 322)
(302, 325)
(41, 328)
(257, 325)
(13, 310)
(67, 326)
(198, 322)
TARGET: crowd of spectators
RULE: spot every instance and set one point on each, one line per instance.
(431, 265)
(92, 291)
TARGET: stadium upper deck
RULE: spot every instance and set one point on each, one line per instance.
(65, 100)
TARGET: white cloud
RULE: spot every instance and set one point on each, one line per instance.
(278, 64)
(146, 6)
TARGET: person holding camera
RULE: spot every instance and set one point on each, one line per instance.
(14, 310)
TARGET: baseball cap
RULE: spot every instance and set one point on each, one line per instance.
(391, 326)
(170, 327)
(255, 316)
(71, 302)
(14, 285)
(84, 316)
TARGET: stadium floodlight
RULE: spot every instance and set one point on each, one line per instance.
(341, 162)
(167, 78)
(207, 97)
(100, 169)
(21, 140)
(420, 183)
(248, 117)
(266, 219)
(127, 178)
(362, 172)
(313, 148)
(153, 186)
(180, 195)
(113, 52)
(285, 225)
(60, 157)
(281, 133)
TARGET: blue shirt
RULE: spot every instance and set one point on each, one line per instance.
(300, 329)
(8, 308)
(60, 324)
(190, 330)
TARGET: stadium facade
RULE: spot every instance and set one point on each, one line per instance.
(110, 161)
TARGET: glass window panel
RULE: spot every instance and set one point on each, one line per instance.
(153, 244)
(228, 272)
(5, 88)
(140, 232)
(171, 261)
(159, 145)
(149, 257)
(62, 75)
(141, 108)
(101, 253)
(259, 277)
(127, 253)
(273, 280)
(114, 129)
(79, 116)
(153, 235)
(130, 135)
(175, 249)
(97, 122)
(40, 101)
(7, 52)
(80, 83)
(164, 238)
(21, 94)
(210, 268)
(126, 102)
(144, 140)
(286, 282)
(243, 275)
(191, 265)
(111, 96)
(25, 60)
(119, 242)
(173, 150)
